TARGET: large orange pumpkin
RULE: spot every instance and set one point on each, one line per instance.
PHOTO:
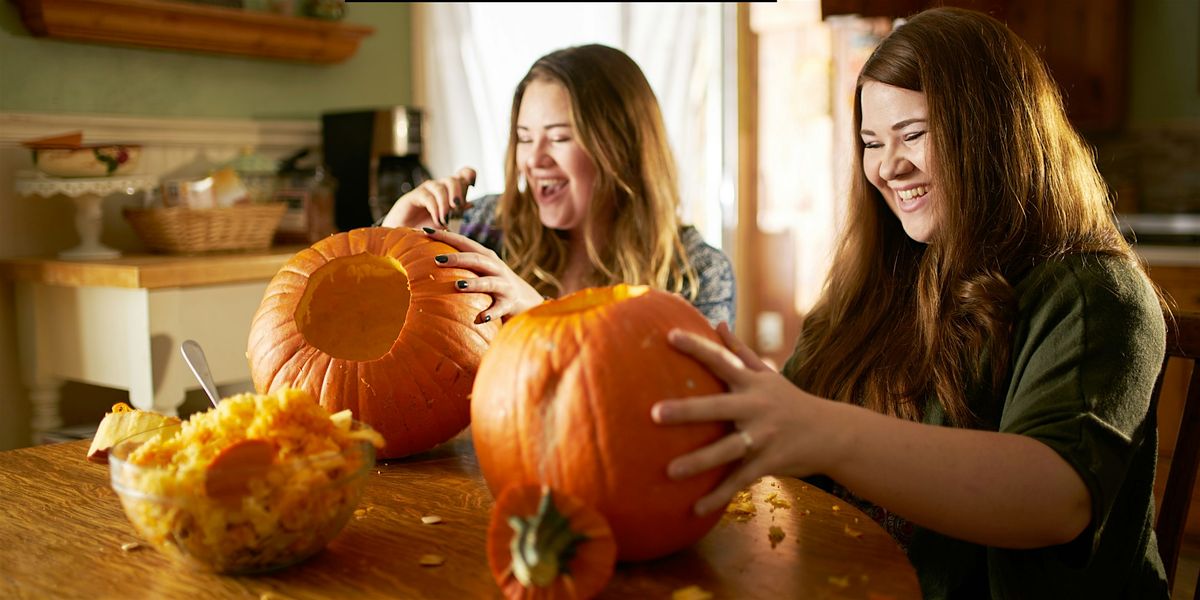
(366, 320)
(563, 398)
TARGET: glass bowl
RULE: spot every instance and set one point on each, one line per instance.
(288, 513)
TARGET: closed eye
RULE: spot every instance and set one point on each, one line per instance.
(913, 136)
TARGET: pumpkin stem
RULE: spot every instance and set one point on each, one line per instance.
(544, 544)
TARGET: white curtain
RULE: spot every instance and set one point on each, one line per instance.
(468, 58)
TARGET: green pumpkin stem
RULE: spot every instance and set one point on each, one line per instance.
(544, 544)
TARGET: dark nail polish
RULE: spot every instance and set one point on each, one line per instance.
(487, 318)
(456, 201)
(461, 284)
(427, 230)
(441, 258)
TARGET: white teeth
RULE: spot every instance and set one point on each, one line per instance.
(916, 192)
(549, 184)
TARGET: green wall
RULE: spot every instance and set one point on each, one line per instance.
(55, 76)
(1164, 81)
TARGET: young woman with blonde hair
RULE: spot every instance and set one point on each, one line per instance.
(977, 374)
(590, 196)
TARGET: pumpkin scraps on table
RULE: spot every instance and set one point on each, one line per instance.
(366, 321)
(542, 543)
(125, 421)
(563, 398)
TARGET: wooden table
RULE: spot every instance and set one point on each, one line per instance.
(119, 322)
(62, 529)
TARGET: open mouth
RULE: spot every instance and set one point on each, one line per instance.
(550, 188)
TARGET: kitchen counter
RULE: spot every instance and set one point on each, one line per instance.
(118, 323)
(151, 271)
(1177, 256)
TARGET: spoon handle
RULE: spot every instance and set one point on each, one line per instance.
(193, 355)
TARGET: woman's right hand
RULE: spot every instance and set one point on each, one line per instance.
(510, 294)
(432, 202)
(778, 428)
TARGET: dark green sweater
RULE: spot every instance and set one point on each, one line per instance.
(1088, 341)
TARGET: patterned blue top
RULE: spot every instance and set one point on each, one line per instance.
(715, 296)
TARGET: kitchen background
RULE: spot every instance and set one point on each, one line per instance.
(193, 111)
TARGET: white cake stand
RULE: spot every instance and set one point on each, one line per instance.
(88, 194)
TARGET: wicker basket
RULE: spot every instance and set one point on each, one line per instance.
(182, 230)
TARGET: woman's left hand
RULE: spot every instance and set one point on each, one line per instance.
(774, 420)
(510, 294)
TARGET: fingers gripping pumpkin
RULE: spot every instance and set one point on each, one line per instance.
(563, 398)
(365, 320)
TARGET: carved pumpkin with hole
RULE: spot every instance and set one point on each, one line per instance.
(563, 398)
(365, 320)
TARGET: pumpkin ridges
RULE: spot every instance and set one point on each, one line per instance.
(315, 371)
(463, 346)
(357, 241)
(461, 374)
(291, 370)
(600, 451)
(384, 402)
(617, 402)
(276, 361)
(415, 403)
(381, 387)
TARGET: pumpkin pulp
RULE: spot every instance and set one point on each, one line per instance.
(587, 299)
(354, 307)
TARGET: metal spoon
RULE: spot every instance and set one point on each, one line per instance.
(193, 355)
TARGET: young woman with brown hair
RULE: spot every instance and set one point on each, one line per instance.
(590, 196)
(977, 374)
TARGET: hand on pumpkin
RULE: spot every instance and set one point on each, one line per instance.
(431, 204)
(511, 295)
(785, 431)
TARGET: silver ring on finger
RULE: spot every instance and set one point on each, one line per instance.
(747, 440)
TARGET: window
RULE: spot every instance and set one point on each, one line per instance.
(469, 58)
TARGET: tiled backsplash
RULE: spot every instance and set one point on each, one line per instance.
(1153, 168)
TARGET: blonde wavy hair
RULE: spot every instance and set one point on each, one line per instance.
(899, 321)
(617, 120)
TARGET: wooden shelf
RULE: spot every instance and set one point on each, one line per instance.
(198, 27)
(152, 271)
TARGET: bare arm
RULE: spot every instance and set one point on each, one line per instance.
(431, 204)
(1001, 490)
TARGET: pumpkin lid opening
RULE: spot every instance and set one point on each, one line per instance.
(588, 299)
(354, 307)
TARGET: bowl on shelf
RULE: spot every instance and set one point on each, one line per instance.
(264, 516)
(87, 161)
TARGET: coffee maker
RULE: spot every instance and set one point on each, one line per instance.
(375, 157)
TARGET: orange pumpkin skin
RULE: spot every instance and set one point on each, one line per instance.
(593, 559)
(563, 398)
(366, 320)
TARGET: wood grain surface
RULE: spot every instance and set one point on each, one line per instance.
(62, 530)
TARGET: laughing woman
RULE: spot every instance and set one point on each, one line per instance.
(590, 197)
(977, 374)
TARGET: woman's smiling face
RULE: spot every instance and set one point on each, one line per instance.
(559, 172)
(896, 155)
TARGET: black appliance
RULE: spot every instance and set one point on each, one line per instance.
(375, 157)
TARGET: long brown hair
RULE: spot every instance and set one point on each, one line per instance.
(617, 121)
(900, 321)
